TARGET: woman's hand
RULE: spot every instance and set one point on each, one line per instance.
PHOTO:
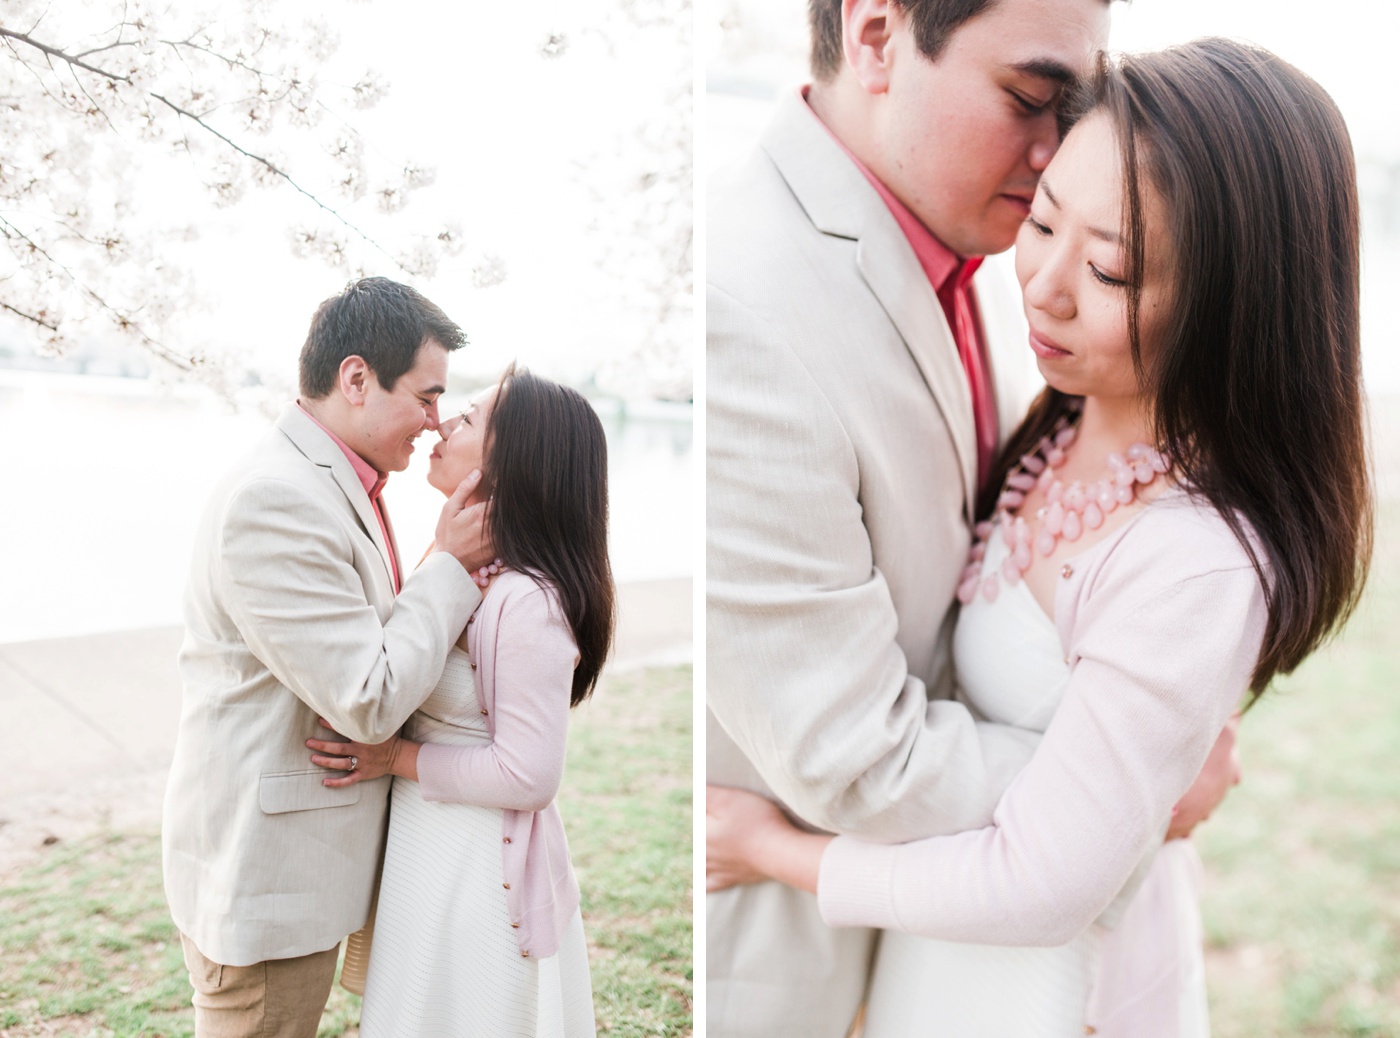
(1220, 772)
(358, 761)
(748, 840)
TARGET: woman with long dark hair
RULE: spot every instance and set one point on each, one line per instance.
(1184, 514)
(477, 929)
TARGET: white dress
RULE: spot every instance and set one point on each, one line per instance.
(1144, 979)
(445, 962)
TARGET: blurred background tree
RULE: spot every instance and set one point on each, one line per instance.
(129, 125)
(107, 107)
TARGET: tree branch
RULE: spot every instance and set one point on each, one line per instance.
(124, 321)
(279, 172)
(35, 318)
(54, 52)
(271, 167)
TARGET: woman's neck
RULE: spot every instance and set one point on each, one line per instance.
(1113, 424)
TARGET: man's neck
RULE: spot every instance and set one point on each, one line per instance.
(847, 116)
(319, 410)
(327, 416)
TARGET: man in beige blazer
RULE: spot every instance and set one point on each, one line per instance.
(291, 614)
(842, 455)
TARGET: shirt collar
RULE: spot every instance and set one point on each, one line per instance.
(943, 267)
(372, 479)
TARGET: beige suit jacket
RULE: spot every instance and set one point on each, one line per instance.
(840, 470)
(290, 613)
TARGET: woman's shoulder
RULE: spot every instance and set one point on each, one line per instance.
(1180, 550)
(519, 594)
(1182, 532)
(1176, 594)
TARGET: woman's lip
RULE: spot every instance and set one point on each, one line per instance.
(1044, 348)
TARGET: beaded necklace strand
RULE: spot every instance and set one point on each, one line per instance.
(1069, 510)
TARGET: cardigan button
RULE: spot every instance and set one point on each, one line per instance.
(506, 885)
(483, 711)
(473, 666)
(506, 839)
(1090, 1030)
(1067, 572)
(515, 926)
(525, 954)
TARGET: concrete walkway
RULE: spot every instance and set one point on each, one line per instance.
(87, 724)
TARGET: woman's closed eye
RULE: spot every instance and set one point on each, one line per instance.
(1039, 228)
(1106, 279)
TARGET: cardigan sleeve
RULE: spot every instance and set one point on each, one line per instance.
(1159, 672)
(533, 672)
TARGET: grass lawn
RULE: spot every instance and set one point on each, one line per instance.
(1303, 860)
(87, 946)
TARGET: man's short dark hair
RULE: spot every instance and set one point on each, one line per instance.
(380, 320)
(933, 21)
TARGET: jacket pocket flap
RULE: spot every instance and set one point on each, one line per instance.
(302, 791)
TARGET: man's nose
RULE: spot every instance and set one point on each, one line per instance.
(1041, 151)
(430, 418)
(1045, 142)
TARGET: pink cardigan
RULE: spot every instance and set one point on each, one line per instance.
(525, 656)
(1161, 625)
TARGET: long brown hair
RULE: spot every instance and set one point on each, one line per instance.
(547, 462)
(1255, 378)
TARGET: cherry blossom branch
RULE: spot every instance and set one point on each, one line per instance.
(277, 171)
(271, 167)
(123, 320)
(35, 318)
(53, 52)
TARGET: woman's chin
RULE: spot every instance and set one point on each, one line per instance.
(439, 483)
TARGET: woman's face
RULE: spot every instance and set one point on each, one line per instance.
(463, 444)
(1071, 261)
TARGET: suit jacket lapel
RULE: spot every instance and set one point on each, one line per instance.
(841, 202)
(308, 438)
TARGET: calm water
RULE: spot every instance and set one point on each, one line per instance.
(104, 480)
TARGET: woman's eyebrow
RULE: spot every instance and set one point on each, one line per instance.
(1112, 237)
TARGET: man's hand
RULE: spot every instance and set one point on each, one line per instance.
(1221, 771)
(748, 839)
(461, 529)
(735, 824)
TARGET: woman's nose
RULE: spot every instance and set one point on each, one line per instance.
(1048, 290)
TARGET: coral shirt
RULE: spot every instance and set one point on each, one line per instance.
(373, 482)
(951, 278)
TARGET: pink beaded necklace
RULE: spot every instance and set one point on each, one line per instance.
(1068, 510)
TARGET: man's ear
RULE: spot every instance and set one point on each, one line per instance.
(865, 31)
(353, 379)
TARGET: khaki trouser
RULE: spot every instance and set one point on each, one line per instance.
(279, 998)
